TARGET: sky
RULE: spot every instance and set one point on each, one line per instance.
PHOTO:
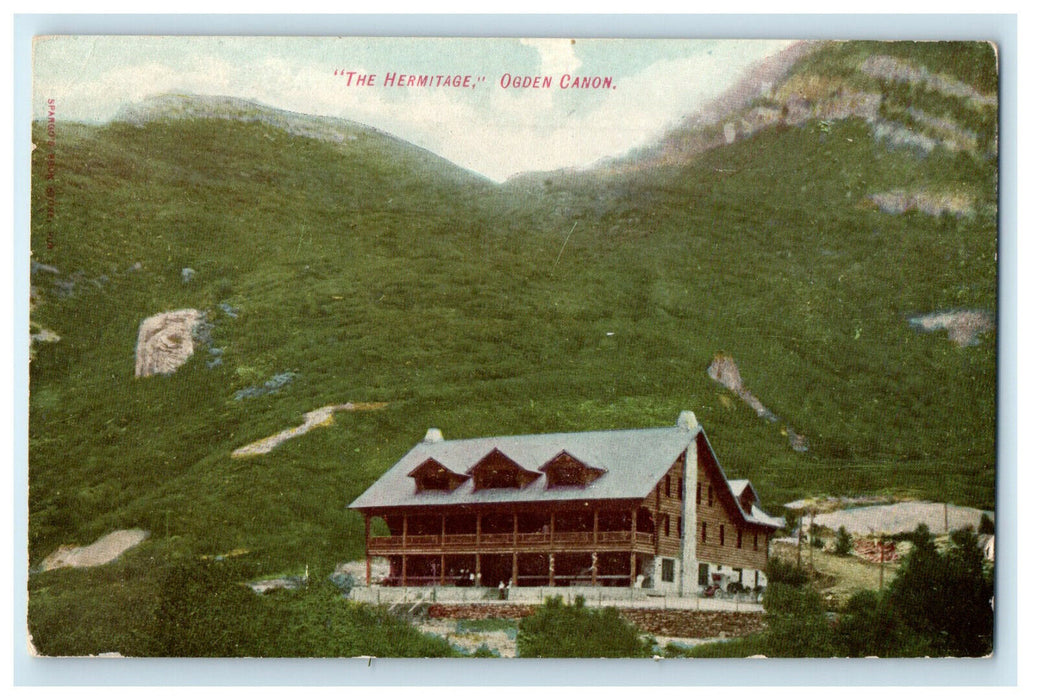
(489, 126)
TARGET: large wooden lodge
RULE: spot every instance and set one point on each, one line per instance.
(649, 508)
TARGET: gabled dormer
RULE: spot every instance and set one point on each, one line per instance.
(566, 470)
(499, 471)
(430, 475)
(744, 493)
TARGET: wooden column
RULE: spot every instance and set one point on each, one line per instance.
(367, 539)
(403, 557)
(551, 569)
(443, 569)
(594, 568)
(515, 549)
(634, 540)
(551, 530)
(479, 533)
(594, 526)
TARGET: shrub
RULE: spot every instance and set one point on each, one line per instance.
(797, 624)
(781, 571)
(844, 542)
(558, 630)
(987, 525)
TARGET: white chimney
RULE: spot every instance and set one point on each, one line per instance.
(687, 420)
(433, 435)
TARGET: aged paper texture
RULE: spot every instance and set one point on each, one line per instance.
(512, 347)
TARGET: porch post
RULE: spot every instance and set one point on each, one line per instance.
(634, 540)
(367, 555)
(594, 568)
(551, 569)
(515, 549)
(594, 526)
(443, 568)
(551, 531)
(403, 556)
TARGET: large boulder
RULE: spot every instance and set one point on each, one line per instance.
(166, 341)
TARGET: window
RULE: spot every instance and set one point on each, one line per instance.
(755, 542)
(496, 471)
(666, 526)
(667, 570)
(699, 493)
(722, 534)
(709, 495)
(666, 486)
(738, 539)
(702, 533)
(681, 523)
(681, 489)
(566, 470)
(704, 574)
(430, 475)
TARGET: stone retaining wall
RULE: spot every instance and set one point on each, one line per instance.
(671, 623)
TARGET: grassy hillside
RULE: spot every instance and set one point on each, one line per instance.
(374, 271)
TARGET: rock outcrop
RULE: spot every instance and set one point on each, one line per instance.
(100, 552)
(166, 341)
(963, 326)
(725, 372)
(318, 417)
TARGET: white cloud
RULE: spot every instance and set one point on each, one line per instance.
(557, 55)
(494, 131)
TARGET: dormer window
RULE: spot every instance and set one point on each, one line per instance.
(746, 499)
(566, 470)
(430, 475)
(499, 471)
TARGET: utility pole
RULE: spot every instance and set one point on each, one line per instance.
(881, 558)
(810, 542)
(800, 535)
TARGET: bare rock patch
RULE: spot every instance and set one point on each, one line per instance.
(964, 326)
(165, 341)
(104, 550)
(323, 416)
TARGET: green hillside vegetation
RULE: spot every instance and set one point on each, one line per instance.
(374, 271)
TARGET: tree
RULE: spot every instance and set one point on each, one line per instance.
(558, 630)
(946, 597)
(796, 622)
(844, 542)
(987, 525)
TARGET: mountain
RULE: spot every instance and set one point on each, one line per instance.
(335, 264)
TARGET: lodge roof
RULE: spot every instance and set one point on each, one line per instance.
(631, 462)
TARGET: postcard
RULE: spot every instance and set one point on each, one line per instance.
(416, 347)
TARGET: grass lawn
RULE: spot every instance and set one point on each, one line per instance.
(837, 578)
